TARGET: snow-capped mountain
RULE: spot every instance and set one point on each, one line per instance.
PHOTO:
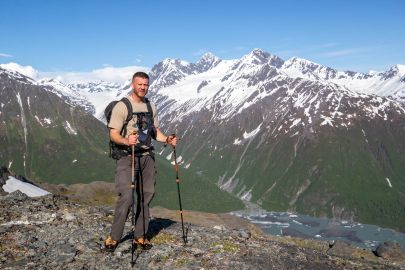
(100, 93)
(69, 94)
(170, 71)
(388, 83)
(287, 135)
(182, 81)
(232, 86)
(93, 96)
(280, 133)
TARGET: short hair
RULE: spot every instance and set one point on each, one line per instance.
(140, 74)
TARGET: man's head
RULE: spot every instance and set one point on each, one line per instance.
(140, 74)
(140, 85)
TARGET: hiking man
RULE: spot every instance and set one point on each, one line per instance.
(143, 126)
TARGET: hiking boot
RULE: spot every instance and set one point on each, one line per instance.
(110, 244)
(144, 243)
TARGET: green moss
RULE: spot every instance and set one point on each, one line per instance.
(225, 246)
(163, 238)
(180, 262)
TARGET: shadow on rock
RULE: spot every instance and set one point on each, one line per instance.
(155, 226)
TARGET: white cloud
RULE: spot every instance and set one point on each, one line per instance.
(5, 55)
(107, 73)
(25, 70)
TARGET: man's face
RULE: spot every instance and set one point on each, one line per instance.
(140, 87)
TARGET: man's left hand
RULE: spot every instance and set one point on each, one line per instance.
(172, 140)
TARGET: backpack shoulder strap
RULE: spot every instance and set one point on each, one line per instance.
(129, 108)
(129, 115)
(150, 111)
(149, 106)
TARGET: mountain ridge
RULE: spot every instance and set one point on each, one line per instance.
(280, 140)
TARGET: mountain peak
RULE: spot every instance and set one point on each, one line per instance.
(258, 51)
(174, 62)
(301, 61)
(208, 56)
(207, 61)
(259, 57)
(397, 70)
(400, 69)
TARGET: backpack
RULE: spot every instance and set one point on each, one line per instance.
(145, 126)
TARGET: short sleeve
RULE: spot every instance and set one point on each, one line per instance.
(118, 116)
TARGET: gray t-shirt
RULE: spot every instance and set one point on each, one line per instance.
(119, 114)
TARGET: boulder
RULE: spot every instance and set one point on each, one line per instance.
(390, 250)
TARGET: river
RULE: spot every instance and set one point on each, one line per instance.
(303, 226)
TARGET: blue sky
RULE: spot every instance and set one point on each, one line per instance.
(62, 36)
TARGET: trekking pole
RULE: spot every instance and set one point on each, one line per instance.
(178, 192)
(142, 198)
(133, 203)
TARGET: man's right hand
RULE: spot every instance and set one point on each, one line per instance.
(132, 139)
(116, 137)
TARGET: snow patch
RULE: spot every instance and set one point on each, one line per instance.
(69, 129)
(248, 135)
(24, 125)
(237, 142)
(326, 121)
(246, 196)
(46, 122)
(295, 122)
(389, 182)
(179, 161)
(13, 184)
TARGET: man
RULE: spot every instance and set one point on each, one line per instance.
(144, 161)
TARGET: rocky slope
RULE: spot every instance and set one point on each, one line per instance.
(53, 232)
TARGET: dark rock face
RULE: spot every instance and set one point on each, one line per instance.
(52, 232)
(390, 250)
(4, 173)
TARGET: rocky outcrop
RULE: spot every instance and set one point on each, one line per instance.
(390, 250)
(4, 174)
(54, 232)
